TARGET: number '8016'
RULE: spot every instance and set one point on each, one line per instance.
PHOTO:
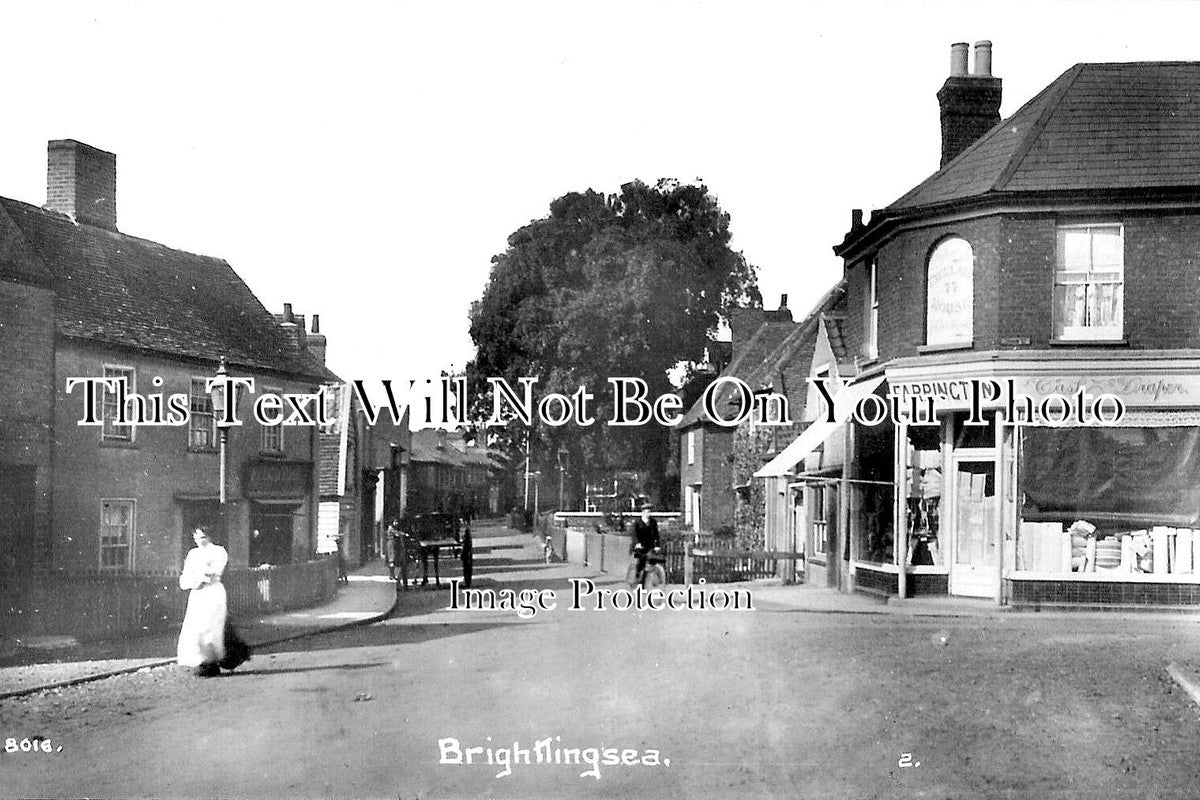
(35, 744)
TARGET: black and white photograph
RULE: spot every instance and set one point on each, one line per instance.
(529, 399)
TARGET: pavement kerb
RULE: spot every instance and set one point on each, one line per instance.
(165, 662)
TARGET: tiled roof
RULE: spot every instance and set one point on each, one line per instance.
(766, 338)
(1115, 126)
(770, 371)
(121, 290)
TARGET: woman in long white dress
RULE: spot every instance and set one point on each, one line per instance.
(202, 637)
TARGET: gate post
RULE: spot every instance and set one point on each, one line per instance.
(688, 567)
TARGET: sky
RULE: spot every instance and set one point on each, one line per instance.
(365, 161)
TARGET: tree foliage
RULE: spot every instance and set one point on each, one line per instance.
(629, 284)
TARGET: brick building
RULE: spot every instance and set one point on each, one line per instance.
(80, 299)
(705, 447)
(449, 471)
(766, 512)
(1052, 252)
(363, 477)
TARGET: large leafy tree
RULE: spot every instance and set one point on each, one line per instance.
(631, 284)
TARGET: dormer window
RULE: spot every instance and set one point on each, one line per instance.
(1089, 283)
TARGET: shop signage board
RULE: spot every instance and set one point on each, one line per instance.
(1135, 391)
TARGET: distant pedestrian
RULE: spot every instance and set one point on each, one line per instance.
(468, 556)
(343, 577)
(207, 640)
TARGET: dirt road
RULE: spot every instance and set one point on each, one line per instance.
(763, 703)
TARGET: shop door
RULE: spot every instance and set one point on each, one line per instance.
(974, 528)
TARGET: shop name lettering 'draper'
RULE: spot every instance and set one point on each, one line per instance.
(444, 402)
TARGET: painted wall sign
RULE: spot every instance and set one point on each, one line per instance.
(949, 294)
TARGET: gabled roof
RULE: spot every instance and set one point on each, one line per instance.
(1109, 126)
(770, 371)
(119, 290)
(765, 338)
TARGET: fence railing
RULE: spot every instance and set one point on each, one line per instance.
(688, 557)
(100, 605)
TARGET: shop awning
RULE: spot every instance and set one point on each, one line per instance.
(817, 433)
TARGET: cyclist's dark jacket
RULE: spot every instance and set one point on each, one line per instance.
(645, 534)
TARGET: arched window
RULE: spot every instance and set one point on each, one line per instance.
(949, 294)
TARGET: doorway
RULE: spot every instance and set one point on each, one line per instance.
(974, 527)
(17, 493)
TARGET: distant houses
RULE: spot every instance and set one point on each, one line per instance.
(451, 472)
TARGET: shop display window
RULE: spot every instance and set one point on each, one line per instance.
(874, 495)
(1115, 501)
(923, 504)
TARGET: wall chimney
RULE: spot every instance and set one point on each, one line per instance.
(970, 103)
(292, 333)
(316, 340)
(81, 182)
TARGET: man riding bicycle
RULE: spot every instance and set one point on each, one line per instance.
(644, 539)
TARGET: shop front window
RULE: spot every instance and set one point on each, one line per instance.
(874, 495)
(1120, 502)
(924, 501)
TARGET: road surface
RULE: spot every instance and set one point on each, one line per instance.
(764, 703)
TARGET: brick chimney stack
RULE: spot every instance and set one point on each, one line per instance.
(316, 340)
(970, 102)
(81, 182)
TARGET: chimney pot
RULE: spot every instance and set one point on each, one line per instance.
(783, 301)
(958, 58)
(856, 218)
(970, 104)
(983, 59)
(316, 328)
(288, 316)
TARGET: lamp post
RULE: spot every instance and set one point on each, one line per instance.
(562, 472)
(527, 473)
(217, 393)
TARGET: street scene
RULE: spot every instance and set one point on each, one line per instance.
(793, 699)
(530, 400)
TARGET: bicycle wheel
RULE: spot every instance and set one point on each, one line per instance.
(655, 576)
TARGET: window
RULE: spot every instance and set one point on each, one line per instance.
(871, 343)
(691, 446)
(202, 429)
(272, 435)
(950, 294)
(333, 406)
(110, 408)
(116, 534)
(820, 523)
(1089, 282)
